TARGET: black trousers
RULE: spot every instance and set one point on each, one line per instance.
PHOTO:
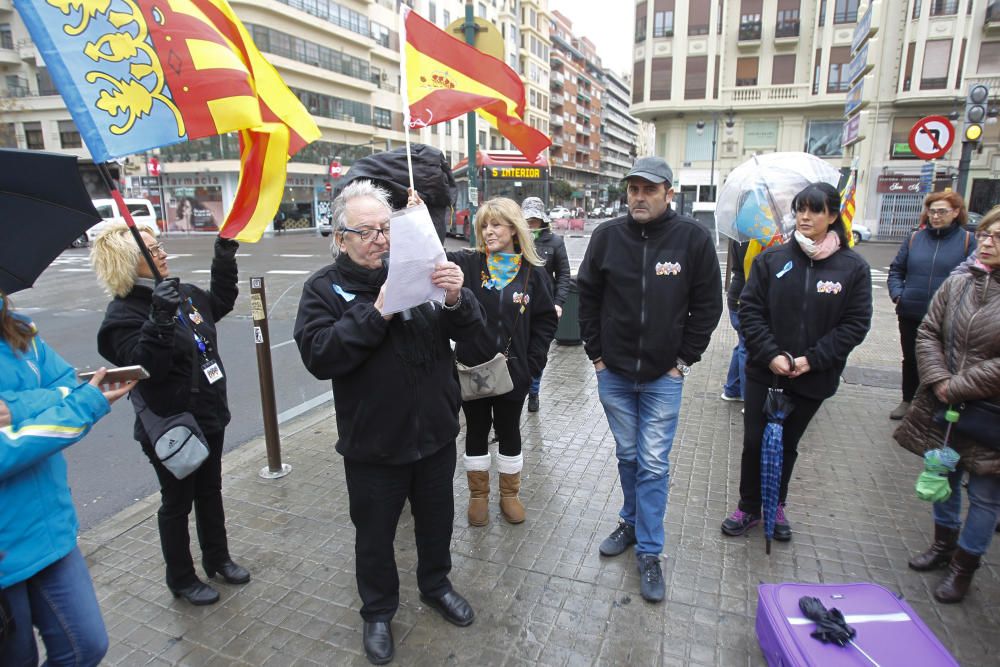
(754, 421)
(501, 414)
(377, 494)
(203, 490)
(908, 341)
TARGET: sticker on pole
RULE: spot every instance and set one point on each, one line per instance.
(932, 137)
(258, 335)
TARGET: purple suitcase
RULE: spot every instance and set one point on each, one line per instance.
(889, 631)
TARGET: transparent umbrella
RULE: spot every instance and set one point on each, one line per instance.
(755, 202)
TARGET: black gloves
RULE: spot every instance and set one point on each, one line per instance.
(226, 248)
(166, 299)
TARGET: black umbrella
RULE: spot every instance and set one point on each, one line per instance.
(831, 626)
(45, 206)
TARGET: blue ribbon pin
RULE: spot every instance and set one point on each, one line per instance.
(785, 269)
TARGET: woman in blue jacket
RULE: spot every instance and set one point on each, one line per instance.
(925, 258)
(43, 409)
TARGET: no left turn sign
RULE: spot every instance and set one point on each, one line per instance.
(932, 137)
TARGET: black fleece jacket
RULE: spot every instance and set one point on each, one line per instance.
(552, 249)
(819, 309)
(387, 412)
(532, 332)
(650, 294)
(128, 336)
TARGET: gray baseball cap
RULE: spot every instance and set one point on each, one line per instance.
(532, 207)
(652, 169)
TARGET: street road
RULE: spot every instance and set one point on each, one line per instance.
(107, 470)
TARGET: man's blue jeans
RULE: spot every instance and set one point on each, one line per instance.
(60, 602)
(984, 509)
(736, 379)
(643, 420)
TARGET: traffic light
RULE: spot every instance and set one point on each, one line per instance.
(976, 105)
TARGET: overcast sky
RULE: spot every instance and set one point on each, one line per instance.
(607, 24)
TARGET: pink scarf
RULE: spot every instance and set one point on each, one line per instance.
(829, 245)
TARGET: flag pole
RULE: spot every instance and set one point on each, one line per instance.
(105, 172)
(404, 89)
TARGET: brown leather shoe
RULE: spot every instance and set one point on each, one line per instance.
(956, 583)
(940, 552)
(510, 504)
(479, 497)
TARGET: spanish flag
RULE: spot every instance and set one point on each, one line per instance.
(446, 78)
(847, 206)
(140, 74)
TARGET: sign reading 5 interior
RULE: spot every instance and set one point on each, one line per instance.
(516, 172)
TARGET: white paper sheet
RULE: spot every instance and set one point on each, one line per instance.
(414, 252)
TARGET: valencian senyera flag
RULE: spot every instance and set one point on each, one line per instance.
(847, 199)
(138, 74)
(446, 78)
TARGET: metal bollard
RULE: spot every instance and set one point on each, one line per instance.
(262, 339)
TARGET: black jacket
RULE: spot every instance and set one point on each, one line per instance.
(551, 248)
(387, 412)
(533, 331)
(650, 294)
(925, 258)
(431, 175)
(128, 336)
(737, 276)
(817, 309)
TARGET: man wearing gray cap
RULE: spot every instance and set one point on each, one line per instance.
(552, 250)
(650, 298)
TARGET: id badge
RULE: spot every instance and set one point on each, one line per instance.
(212, 371)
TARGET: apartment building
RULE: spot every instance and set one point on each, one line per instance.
(721, 81)
(619, 133)
(577, 87)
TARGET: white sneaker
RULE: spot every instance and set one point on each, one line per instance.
(731, 399)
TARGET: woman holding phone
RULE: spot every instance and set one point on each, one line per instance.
(43, 410)
(169, 328)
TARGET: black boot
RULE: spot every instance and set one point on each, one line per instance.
(377, 637)
(956, 583)
(199, 593)
(940, 552)
(532, 402)
(230, 571)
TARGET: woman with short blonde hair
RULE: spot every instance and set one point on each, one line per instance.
(508, 278)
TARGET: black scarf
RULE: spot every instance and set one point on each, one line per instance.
(414, 333)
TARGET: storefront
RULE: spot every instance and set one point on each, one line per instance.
(901, 203)
(194, 202)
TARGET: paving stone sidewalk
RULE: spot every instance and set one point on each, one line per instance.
(542, 593)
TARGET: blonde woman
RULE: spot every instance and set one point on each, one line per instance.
(507, 277)
(169, 328)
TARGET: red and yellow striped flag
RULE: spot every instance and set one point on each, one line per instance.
(847, 204)
(446, 78)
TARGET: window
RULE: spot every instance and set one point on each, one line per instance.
(698, 17)
(482, 137)
(640, 22)
(944, 7)
(8, 135)
(989, 57)
(783, 71)
(481, 13)
(695, 77)
(446, 15)
(638, 80)
(845, 11)
(750, 23)
(69, 136)
(746, 71)
(33, 138)
(911, 51)
(382, 118)
(937, 60)
(823, 138)
(899, 141)
(44, 82)
(840, 58)
(917, 6)
(6, 36)
(787, 24)
(432, 13)
(816, 71)
(337, 108)
(663, 19)
(961, 64)
(660, 79)
(822, 13)
(699, 143)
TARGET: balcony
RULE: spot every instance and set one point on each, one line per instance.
(765, 96)
(750, 31)
(556, 120)
(558, 79)
(993, 17)
(786, 29)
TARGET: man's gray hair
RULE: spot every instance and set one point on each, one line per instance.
(354, 190)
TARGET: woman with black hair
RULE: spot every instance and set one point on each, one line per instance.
(807, 303)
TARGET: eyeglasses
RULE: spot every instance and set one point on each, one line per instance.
(369, 233)
(157, 250)
(993, 236)
(938, 212)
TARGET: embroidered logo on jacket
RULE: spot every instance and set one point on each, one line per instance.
(520, 298)
(828, 287)
(668, 268)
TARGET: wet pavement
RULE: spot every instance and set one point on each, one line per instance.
(542, 593)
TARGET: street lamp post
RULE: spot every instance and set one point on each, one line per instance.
(700, 125)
